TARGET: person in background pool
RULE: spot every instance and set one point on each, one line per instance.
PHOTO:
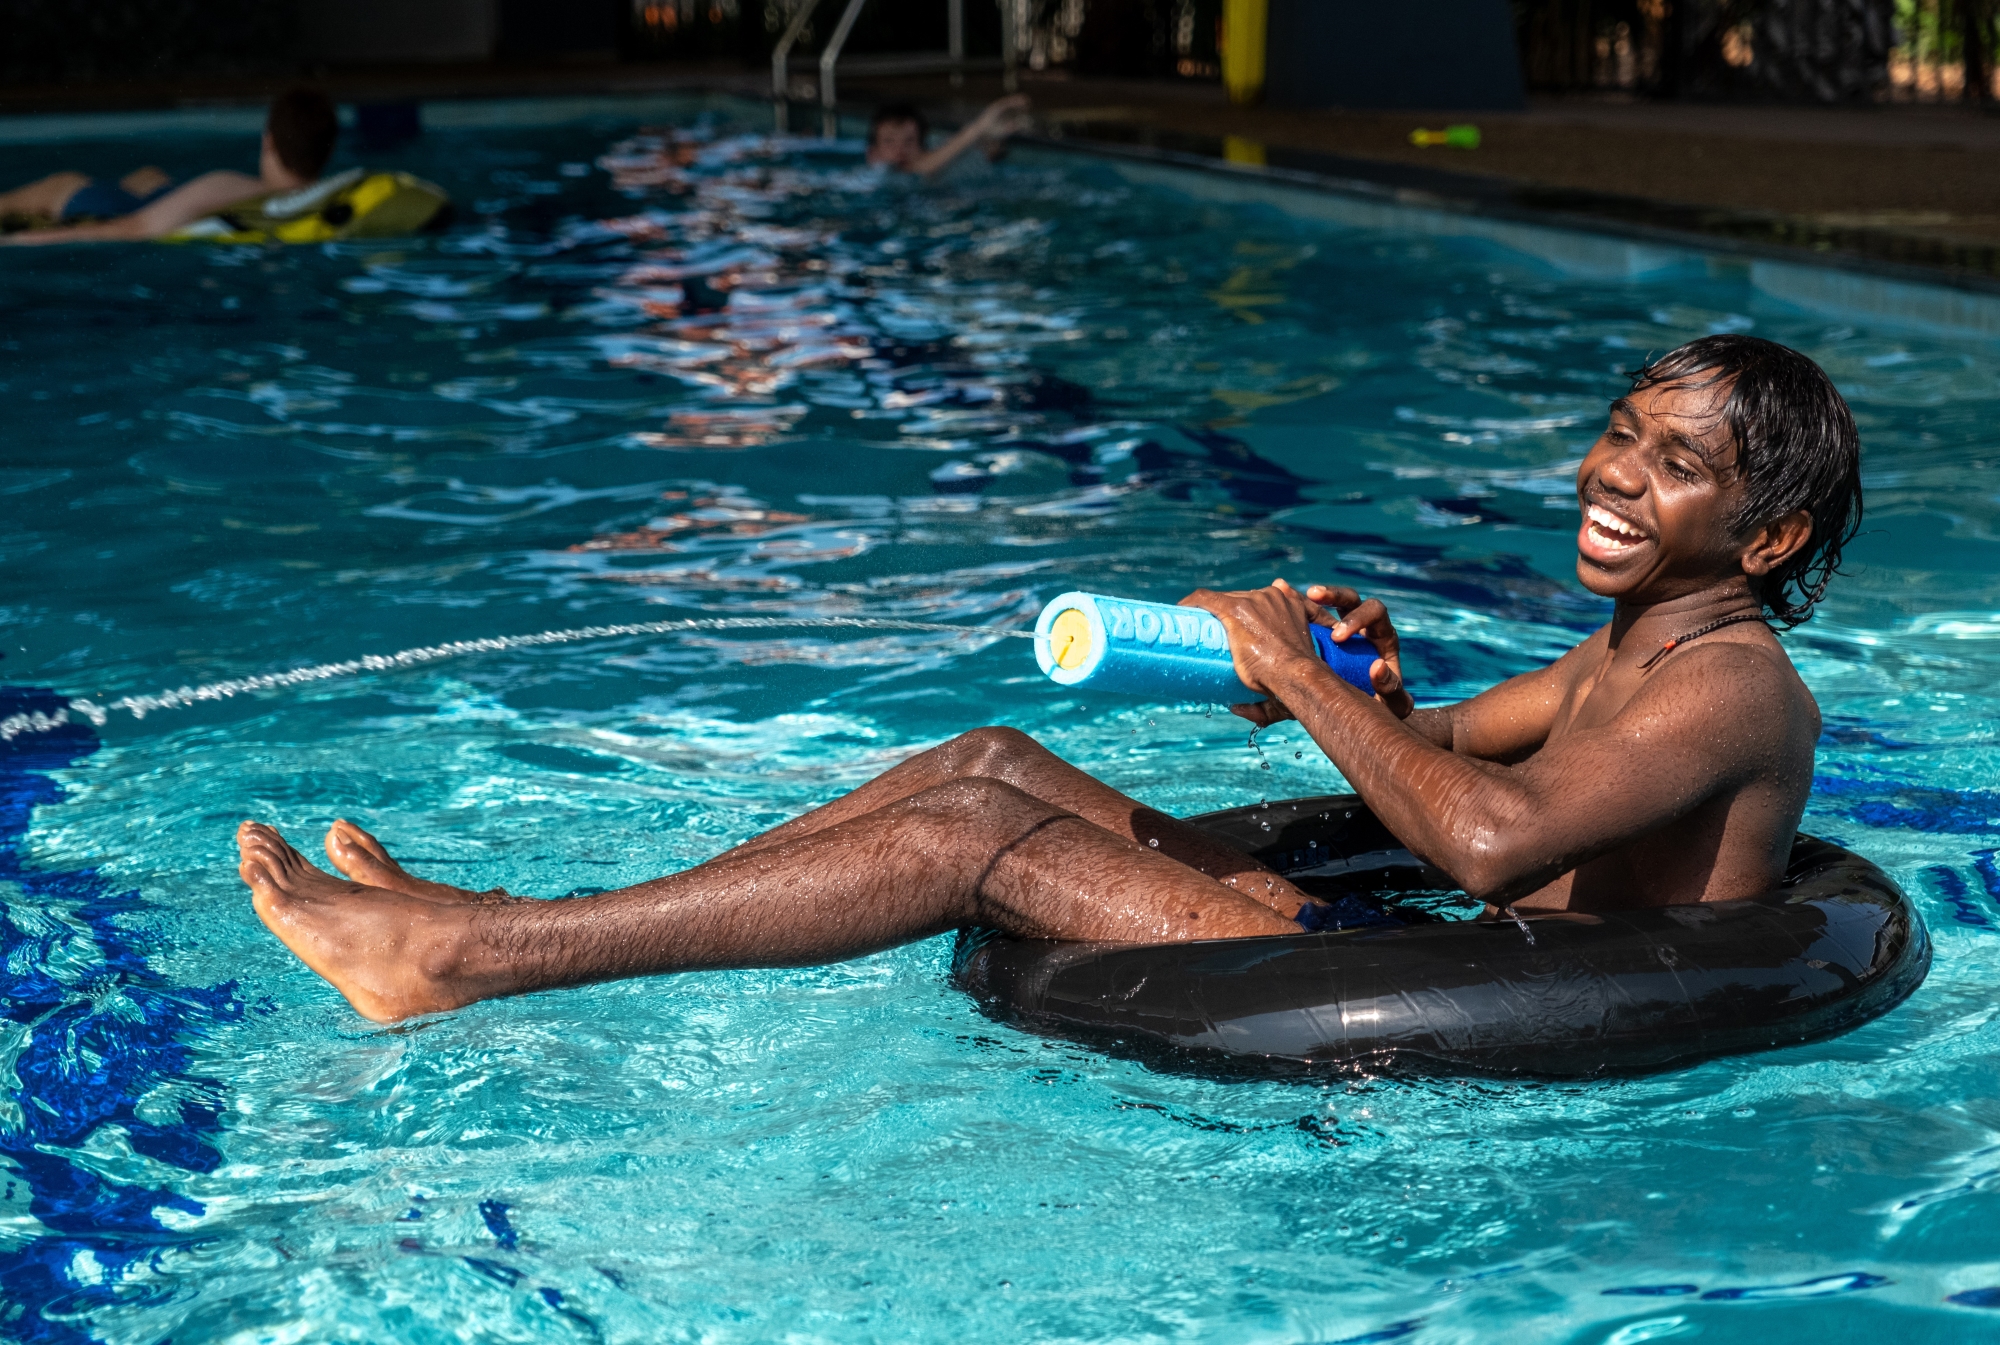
(897, 133)
(1664, 760)
(71, 208)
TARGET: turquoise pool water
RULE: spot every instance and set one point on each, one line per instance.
(937, 405)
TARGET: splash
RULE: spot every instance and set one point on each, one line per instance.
(140, 706)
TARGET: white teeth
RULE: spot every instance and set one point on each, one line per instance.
(1606, 521)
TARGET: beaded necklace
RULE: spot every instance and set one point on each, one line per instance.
(1671, 645)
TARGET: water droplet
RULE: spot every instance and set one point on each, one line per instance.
(1152, 723)
(1299, 755)
(1265, 765)
(1154, 843)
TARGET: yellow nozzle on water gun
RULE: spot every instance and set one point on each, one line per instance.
(1070, 641)
(1457, 137)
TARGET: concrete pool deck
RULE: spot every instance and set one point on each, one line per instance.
(1914, 187)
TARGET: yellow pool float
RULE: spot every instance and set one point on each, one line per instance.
(354, 204)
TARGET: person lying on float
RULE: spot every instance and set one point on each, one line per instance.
(1664, 760)
(897, 135)
(299, 136)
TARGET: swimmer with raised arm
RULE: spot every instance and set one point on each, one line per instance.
(897, 136)
(299, 137)
(1664, 760)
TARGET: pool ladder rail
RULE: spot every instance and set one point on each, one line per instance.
(952, 60)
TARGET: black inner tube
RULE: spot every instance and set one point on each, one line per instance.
(1557, 996)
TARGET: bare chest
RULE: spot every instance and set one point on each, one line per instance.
(1595, 697)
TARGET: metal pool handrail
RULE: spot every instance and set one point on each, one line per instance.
(915, 63)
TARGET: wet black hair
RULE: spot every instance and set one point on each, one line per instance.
(1796, 448)
(894, 112)
(303, 128)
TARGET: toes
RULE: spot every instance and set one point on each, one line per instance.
(262, 843)
(256, 839)
(280, 865)
(341, 849)
(263, 887)
(347, 843)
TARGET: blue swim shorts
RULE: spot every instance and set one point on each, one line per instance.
(100, 200)
(1347, 912)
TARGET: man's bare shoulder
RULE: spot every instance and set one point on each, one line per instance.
(1745, 686)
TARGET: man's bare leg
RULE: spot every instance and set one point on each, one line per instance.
(1013, 757)
(1001, 754)
(971, 852)
(45, 198)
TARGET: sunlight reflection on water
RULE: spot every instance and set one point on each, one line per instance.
(725, 376)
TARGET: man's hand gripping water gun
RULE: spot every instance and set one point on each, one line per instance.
(1269, 628)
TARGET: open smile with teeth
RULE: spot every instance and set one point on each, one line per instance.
(1610, 531)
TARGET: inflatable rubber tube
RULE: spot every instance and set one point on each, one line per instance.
(1835, 945)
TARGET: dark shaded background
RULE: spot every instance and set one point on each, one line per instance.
(1806, 51)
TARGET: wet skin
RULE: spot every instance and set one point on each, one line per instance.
(1587, 785)
(899, 145)
(988, 829)
(44, 200)
(1594, 783)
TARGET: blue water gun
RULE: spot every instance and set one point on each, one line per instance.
(1163, 653)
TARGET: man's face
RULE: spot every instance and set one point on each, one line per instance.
(896, 144)
(1659, 491)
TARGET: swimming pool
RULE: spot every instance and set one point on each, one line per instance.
(940, 405)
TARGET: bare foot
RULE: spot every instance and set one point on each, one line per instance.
(392, 955)
(361, 857)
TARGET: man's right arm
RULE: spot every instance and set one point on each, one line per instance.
(183, 205)
(1000, 119)
(1699, 730)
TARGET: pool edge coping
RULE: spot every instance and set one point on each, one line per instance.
(1789, 274)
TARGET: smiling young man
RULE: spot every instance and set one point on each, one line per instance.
(1666, 759)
